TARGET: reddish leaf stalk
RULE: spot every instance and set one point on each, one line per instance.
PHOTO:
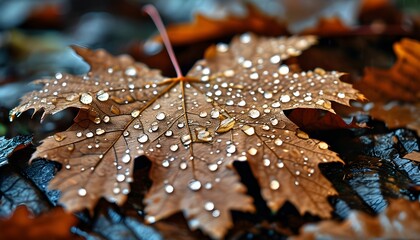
(153, 13)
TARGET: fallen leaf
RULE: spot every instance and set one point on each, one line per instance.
(314, 119)
(414, 156)
(229, 107)
(328, 26)
(8, 146)
(54, 224)
(400, 220)
(399, 83)
(204, 28)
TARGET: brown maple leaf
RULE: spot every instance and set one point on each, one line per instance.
(401, 220)
(228, 107)
(54, 224)
(399, 83)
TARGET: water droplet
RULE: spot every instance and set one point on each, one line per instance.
(247, 64)
(278, 142)
(222, 47)
(135, 113)
(265, 127)
(241, 103)
(183, 165)
(86, 98)
(156, 107)
(169, 188)
(266, 162)
(275, 59)
(268, 95)
(285, 98)
(226, 125)
(296, 182)
(82, 192)
(209, 206)
(160, 116)
(165, 163)
(106, 119)
(194, 185)
(341, 95)
(252, 151)
(116, 190)
(131, 71)
(126, 158)
(245, 38)
(58, 137)
(254, 76)
(215, 213)
(215, 113)
(102, 96)
(274, 184)
(173, 147)
(99, 131)
(280, 163)
(89, 134)
(213, 167)
(58, 76)
(229, 73)
(231, 148)
(275, 104)
(115, 110)
(186, 140)
(283, 69)
(203, 114)
(301, 134)
(274, 121)
(181, 124)
(150, 219)
(120, 177)
(323, 145)
(254, 113)
(143, 138)
(168, 133)
(248, 130)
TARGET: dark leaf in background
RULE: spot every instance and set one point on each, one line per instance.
(400, 220)
(8, 146)
(54, 224)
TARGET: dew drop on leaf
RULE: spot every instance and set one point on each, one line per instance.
(209, 206)
(248, 130)
(126, 158)
(82, 192)
(143, 138)
(254, 113)
(274, 184)
(86, 98)
(169, 188)
(194, 185)
(285, 98)
(102, 96)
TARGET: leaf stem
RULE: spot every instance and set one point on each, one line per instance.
(153, 13)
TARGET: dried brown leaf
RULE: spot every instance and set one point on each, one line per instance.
(54, 224)
(401, 220)
(229, 107)
(414, 156)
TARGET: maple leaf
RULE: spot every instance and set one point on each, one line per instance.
(228, 107)
(400, 220)
(54, 224)
(399, 83)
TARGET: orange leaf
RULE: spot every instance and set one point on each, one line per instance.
(54, 224)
